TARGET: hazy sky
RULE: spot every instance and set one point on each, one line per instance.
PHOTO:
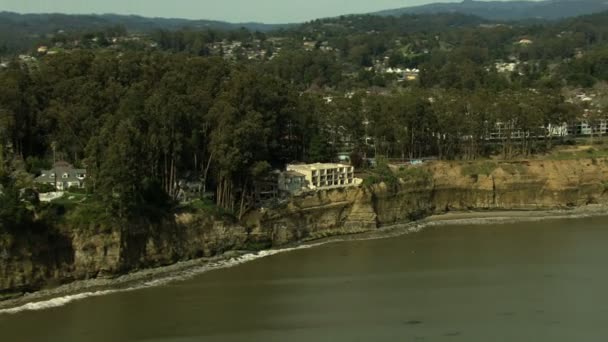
(268, 11)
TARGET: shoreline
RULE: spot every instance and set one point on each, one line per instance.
(159, 276)
(517, 215)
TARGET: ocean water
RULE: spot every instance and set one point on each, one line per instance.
(527, 281)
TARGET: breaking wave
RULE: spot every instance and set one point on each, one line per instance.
(56, 302)
(178, 276)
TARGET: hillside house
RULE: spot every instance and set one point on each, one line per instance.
(292, 182)
(505, 67)
(63, 176)
(266, 189)
(525, 41)
(187, 190)
(411, 74)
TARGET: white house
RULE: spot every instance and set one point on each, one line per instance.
(326, 176)
(63, 176)
(525, 41)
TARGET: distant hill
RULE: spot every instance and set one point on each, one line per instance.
(408, 23)
(509, 10)
(53, 22)
(19, 31)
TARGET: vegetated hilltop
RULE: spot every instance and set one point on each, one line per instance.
(51, 22)
(31, 27)
(508, 10)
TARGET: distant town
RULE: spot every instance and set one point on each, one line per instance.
(236, 119)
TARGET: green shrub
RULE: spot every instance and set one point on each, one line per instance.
(381, 174)
(371, 180)
(84, 214)
(416, 174)
(208, 207)
(75, 190)
(479, 168)
(513, 168)
(44, 188)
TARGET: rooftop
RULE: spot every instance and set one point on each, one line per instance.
(62, 171)
(293, 174)
(318, 166)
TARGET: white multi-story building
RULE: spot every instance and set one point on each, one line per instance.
(600, 127)
(326, 176)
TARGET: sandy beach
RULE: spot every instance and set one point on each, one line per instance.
(517, 215)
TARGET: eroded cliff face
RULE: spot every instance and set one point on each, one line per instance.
(38, 260)
(525, 185)
(316, 215)
(31, 262)
(522, 185)
(51, 258)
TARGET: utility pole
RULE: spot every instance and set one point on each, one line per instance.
(54, 148)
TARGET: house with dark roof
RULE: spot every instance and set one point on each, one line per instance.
(63, 176)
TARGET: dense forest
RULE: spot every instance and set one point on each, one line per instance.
(141, 119)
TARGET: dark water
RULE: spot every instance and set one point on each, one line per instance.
(544, 281)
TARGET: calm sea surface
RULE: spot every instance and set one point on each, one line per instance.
(543, 281)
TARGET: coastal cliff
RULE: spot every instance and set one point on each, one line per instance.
(50, 258)
(526, 185)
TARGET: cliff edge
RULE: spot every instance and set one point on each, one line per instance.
(46, 259)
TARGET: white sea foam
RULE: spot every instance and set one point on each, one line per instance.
(55, 302)
(178, 276)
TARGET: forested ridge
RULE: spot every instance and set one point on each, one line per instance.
(509, 10)
(19, 31)
(177, 105)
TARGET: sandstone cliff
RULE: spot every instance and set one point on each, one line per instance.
(525, 185)
(50, 258)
